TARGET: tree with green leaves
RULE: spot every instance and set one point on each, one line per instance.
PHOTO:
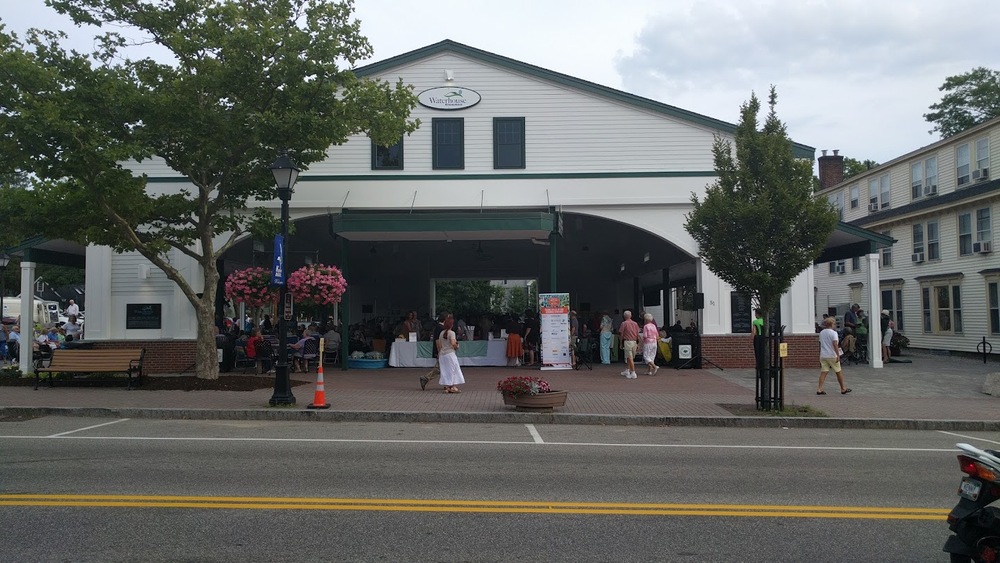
(758, 225)
(970, 99)
(463, 298)
(236, 83)
(853, 166)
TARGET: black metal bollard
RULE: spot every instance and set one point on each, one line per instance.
(985, 348)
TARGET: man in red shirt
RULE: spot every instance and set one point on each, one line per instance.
(630, 336)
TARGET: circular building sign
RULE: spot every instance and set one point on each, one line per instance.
(449, 98)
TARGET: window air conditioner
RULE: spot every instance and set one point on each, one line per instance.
(983, 247)
(872, 207)
(977, 175)
(930, 189)
(917, 257)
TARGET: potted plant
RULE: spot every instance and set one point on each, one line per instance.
(897, 343)
(317, 285)
(530, 393)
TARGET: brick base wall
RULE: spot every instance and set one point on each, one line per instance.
(736, 351)
(162, 356)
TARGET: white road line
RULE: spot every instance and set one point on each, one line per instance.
(968, 437)
(87, 428)
(484, 442)
(534, 434)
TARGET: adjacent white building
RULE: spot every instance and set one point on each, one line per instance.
(941, 280)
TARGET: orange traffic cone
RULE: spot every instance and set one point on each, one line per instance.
(319, 399)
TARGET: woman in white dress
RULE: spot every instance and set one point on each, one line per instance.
(447, 345)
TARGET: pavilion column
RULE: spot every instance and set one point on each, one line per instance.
(345, 322)
(27, 321)
(552, 262)
(874, 314)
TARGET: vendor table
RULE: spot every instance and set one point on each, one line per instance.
(405, 354)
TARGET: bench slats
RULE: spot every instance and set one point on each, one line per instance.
(127, 361)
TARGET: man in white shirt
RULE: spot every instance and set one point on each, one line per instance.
(829, 356)
(72, 309)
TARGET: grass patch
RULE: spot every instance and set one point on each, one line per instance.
(793, 411)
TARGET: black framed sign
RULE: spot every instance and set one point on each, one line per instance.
(143, 315)
(740, 313)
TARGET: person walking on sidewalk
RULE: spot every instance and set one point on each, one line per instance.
(650, 335)
(438, 327)
(606, 338)
(630, 336)
(451, 371)
(829, 356)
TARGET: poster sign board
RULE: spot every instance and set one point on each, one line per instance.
(143, 316)
(553, 310)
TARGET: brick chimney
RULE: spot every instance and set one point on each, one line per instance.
(831, 169)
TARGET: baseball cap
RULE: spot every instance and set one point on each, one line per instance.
(885, 312)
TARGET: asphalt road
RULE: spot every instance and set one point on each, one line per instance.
(252, 491)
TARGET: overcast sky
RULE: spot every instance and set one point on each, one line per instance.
(854, 75)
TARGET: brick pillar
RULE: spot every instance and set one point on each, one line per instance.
(831, 170)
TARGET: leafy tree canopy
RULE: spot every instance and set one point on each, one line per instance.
(853, 166)
(759, 226)
(245, 80)
(970, 99)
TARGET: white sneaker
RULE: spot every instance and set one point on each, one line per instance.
(633, 375)
(625, 373)
(655, 369)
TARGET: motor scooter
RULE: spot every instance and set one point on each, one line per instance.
(975, 525)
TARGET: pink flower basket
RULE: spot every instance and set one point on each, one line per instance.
(251, 286)
(317, 285)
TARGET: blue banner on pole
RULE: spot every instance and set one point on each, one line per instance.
(278, 270)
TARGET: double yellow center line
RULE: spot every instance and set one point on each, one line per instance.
(499, 507)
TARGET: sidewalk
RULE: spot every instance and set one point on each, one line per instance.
(933, 392)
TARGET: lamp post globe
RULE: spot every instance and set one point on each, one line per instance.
(285, 174)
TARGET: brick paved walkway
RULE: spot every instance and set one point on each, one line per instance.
(930, 388)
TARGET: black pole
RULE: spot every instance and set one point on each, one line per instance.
(282, 384)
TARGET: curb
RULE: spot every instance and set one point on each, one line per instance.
(296, 415)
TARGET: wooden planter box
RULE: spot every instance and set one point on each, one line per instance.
(542, 402)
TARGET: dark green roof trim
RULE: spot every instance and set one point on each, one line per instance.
(381, 177)
(878, 240)
(927, 203)
(375, 69)
(26, 244)
(869, 242)
(989, 271)
(940, 277)
(453, 222)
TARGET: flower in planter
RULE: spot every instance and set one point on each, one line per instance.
(317, 285)
(520, 385)
(251, 286)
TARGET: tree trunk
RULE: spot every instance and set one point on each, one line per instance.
(206, 357)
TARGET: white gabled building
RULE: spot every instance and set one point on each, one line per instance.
(941, 280)
(532, 175)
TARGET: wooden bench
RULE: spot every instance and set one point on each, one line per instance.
(108, 360)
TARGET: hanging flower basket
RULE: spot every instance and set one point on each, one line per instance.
(317, 285)
(251, 286)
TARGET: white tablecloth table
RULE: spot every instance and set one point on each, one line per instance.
(405, 354)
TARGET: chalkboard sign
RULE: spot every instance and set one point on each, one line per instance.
(740, 313)
(143, 315)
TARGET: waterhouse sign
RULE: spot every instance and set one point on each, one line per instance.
(449, 98)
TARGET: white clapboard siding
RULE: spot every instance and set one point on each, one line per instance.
(566, 130)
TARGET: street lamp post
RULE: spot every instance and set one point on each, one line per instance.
(285, 174)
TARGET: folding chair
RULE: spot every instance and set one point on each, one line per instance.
(585, 353)
(310, 350)
(242, 360)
